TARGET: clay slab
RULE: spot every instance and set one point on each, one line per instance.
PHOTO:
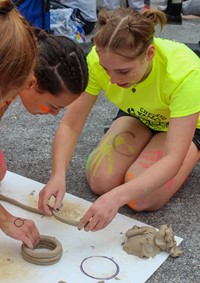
(77, 245)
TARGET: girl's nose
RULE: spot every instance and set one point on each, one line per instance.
(114, 78)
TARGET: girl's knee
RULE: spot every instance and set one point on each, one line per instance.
(142, 205)
(100, 184)
(3, 166)
(97, 188)
(99, 177)
(136, 206)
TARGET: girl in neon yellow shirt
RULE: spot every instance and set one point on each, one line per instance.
(154, 142)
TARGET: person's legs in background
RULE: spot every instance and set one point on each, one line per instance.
(191, 7)
(87, 25)
(136, 4)
(86, 12)
(147, 4)
(173, 12)
(111, 4)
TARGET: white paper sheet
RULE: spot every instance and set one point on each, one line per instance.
(103, 248)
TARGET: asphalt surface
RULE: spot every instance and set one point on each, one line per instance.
(26, 141)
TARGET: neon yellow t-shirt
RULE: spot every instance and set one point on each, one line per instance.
(171, 90)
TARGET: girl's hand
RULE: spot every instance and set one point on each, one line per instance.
(21, 229)
(100, 214)
(56, 187)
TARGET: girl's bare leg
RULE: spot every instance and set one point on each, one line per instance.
(116, 152)
(151, 154)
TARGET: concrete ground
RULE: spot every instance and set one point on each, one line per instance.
(26, 142)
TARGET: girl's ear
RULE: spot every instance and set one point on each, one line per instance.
(32, 83)
(150, 52)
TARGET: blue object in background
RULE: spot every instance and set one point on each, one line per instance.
(35, 11)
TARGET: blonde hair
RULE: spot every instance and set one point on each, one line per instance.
(126, 29)
(18, 48)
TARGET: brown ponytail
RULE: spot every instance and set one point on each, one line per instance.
(17, 49)
(126, 29)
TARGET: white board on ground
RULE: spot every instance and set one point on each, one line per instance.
(88, 257)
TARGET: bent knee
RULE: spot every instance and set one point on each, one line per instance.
(142, 206)
(98, 186)
(101, 184)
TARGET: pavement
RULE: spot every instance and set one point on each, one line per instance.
(26, 141)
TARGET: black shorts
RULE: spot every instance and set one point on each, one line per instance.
(196, 138)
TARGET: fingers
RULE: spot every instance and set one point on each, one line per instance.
(30, 241)
(58, 201)
(93, 223)
(43, 203)
(44, 198)
(99, 215)
(84, 224)
(27, 242)
(30, 235)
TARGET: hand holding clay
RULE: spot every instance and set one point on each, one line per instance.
(21, 229)
(56, 188)
(146, 241)
(51, 253)
(100, 214)
(25, 230)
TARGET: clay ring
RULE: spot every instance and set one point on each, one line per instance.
(43, 257)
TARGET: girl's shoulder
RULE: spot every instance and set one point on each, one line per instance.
(175, 52)
(177, 59)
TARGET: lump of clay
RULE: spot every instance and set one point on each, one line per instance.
(140, 242)
(148, 242)
(165, 240)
